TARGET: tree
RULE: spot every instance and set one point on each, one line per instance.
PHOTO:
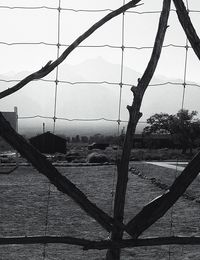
(84, 139)
(152, 211)
(184, 127)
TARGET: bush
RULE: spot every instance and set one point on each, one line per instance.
(71, 156)
(97, 158)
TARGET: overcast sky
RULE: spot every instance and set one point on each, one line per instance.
(38, 25)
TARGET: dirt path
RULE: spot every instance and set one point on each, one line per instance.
(179, 166)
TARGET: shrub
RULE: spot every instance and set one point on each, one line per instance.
(71, 156)
(97, 158)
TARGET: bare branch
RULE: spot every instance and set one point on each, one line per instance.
(37, 159)
(187, 25)
(100, 245)
(52, 65)
(144, 81)
(158, 207)
(40, 162)
(135, 115)
(156, 241)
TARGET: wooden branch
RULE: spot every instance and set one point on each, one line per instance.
(40, 162)
(130, 243)
(52, 65)
(135, 115)
(187, 25)
(44, 240)
(158, 207)
(100, 245)
(37, 159)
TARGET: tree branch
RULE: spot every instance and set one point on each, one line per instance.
(187, 25)
(100, 245)
(52, 65)
(135, 115)
(158, 207)
(9, 171)
(40, 162)
(156, 241)
(37, 159)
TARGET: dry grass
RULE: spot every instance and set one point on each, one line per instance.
(24, 196)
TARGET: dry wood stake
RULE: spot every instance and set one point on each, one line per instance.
(100, 245)
(40, 163)
(154, 210)
(134, 111)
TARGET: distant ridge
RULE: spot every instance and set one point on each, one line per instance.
(91, 101)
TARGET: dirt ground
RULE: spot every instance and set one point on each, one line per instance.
(26, 200)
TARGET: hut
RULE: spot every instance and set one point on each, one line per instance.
(49, 143)
(12, 118)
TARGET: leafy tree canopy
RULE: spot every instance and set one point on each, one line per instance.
(183, 126)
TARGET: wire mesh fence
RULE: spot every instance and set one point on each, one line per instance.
(94, 93)
(102, 69)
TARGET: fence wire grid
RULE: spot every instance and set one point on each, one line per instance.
(118, 87)
(123, 51)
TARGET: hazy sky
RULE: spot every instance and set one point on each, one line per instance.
(40, 25)
(36, 25)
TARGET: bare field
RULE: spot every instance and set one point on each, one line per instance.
(24, 203)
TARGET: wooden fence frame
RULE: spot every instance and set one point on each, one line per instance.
(155, 209)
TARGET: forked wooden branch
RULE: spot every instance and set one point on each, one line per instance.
(187, 25)
(157, 208)
(52, 65)
(37, 159)
(156, 241)
(150, 213)
(135, 115)
(44, 240)
(100, 245)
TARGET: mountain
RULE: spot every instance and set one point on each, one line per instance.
(90, 100)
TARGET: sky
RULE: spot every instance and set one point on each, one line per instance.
(22, 51)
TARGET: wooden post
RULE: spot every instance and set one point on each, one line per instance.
(38, 160)
(134, 112)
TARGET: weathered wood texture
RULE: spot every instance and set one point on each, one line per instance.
(100, 245)
(156, 241)
(40, 163)
(158, 207)
(37, 159)
(154, 210)
(187, 25)
(135, 115)
(50, 66)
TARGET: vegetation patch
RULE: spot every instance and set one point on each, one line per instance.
(97, 158)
